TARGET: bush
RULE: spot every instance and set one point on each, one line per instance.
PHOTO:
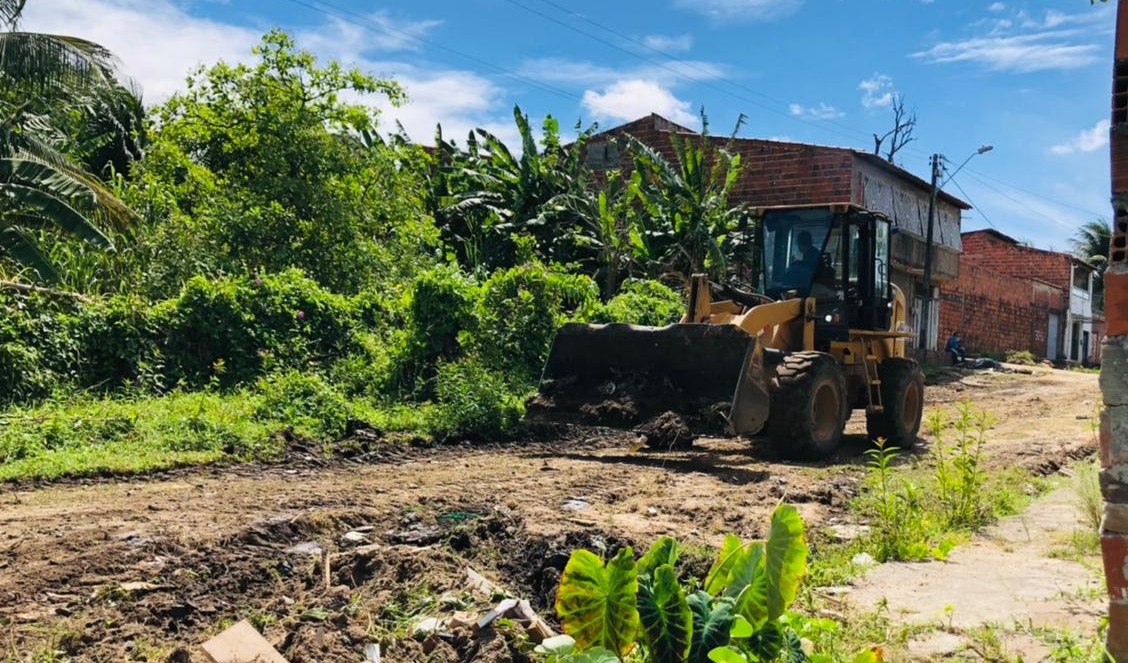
(641, 302)
(119, 345)
(518, 314)
(37, 345)
(305, 404)
(236, 329)
(1021, 357)
(474, 402)
(440, 306)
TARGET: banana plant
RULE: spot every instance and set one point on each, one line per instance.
(493, 193)
(638, 610)
(689, 222)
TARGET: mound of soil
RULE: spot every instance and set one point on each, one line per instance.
(624, 402)
(667, 431)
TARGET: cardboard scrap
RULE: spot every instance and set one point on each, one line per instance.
(241, 644)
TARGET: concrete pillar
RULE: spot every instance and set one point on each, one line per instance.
(1114, 362)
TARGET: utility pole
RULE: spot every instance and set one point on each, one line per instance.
(926, 308)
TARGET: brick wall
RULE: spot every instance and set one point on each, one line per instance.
(1006, 256)
(997, 313)
(775, 173)
(792, 173)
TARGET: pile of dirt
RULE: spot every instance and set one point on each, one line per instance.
(667, 431)
(623, 402)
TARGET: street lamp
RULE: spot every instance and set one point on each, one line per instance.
(926, 308)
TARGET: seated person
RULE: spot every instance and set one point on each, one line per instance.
(809, 262)
(955, 348)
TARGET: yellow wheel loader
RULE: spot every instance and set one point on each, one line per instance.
(825, 335)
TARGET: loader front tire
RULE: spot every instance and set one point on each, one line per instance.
(902, 395)
(808, 406)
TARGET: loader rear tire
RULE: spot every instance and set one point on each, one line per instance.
(902, 394)
(808, 406)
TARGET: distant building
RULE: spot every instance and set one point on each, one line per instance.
(780, 173)
(1015, 297)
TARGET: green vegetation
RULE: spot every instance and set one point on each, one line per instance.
(922, 510)
(1024, 357)
(283, 256)
(641, 611)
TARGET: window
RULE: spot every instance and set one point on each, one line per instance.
(881, 259)
(796, 249)
(1081, 279)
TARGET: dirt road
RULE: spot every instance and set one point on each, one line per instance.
(146, 568)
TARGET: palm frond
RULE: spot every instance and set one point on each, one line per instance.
(21, 247)
(37, 160)
(10, 11)
(46, 61)
(30, 201)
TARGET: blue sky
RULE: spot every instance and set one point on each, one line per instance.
(1031, 78)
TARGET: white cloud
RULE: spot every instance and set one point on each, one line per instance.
(996, 7)
(159, 43)
(748, 10)
(1019, 54)
(877, 91)
(1089, 140)
(1058, 41)
(820, 112)
(590, 74)
(634, 98)
(343, 39)
(669, 43)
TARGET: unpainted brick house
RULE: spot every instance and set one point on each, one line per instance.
(778, 173)
(1014, 297)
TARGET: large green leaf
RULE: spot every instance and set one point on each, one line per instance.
(597, 604)
(593, 655)
(38, 202)
(729, 554)
(664, 550)
(712, 622)
(786, 559)
(21, 247)
(667, 623)
(748, 586)
(767, 643)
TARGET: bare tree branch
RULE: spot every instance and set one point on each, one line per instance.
(902, 132)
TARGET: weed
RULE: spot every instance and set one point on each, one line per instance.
(1087, 492)
(957, 468)
(1024, 357)
(1071, 647)
(900, 529)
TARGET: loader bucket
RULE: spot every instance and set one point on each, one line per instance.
(621, 375)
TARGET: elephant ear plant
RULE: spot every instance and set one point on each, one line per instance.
(628, 610)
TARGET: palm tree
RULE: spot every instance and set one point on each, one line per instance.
(1091, 243)
(40, 188)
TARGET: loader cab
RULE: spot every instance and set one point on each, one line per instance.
(839, 256)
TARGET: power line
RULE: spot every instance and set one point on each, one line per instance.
(1036, 195)
(343, 15)
(1022, 204)
(973, 204)
(846, 131)
(687, 63)
(679, 73)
